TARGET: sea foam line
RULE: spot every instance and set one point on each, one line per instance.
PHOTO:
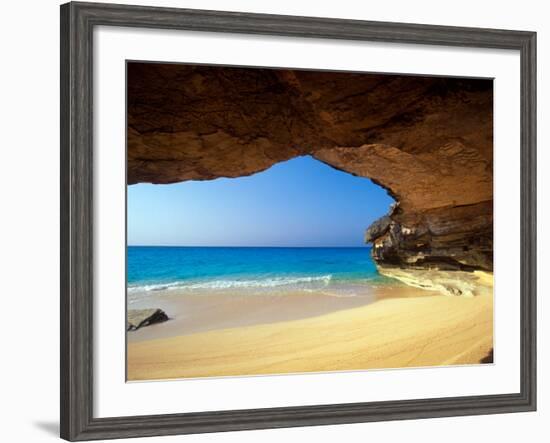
(230, 284)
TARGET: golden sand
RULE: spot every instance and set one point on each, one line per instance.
(392, 332)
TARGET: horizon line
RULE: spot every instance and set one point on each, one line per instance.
(236, 246)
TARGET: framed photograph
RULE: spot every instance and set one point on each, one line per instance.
(273, 221)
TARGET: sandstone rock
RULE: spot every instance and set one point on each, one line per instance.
(458, 238)
(427, 140)
(454, 283)
(377, 229)
(138, 318)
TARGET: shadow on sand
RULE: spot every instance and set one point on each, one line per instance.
(489, 358)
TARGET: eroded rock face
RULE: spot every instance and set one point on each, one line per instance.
(445, 203)
(426, 140)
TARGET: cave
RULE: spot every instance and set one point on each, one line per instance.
(427, 140)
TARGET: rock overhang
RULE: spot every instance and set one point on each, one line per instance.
(427, 140)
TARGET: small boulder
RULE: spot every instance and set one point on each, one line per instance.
(138, 318)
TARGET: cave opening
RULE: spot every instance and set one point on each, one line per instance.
(301, 202)
(428, 141)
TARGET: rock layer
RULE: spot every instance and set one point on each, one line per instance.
(455, 283)
(427, 140)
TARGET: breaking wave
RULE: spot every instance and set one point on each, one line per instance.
(266, 283)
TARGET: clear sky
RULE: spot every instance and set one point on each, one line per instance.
(300, 202)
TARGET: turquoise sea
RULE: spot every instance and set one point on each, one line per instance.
(336, 271)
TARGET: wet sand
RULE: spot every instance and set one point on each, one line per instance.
(190, 312)
(232, 334)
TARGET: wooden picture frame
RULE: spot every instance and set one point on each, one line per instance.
(77, 23)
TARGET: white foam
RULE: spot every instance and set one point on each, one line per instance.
(273, 282)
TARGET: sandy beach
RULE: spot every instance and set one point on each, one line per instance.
(231, 335)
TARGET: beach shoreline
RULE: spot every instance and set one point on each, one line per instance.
(390, 327)
(200, 311)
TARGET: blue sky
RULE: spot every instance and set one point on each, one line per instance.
(300, 202)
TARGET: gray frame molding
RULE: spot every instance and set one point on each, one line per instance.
(77, 24)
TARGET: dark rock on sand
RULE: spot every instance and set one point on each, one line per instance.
(489, 358)
(138, 318)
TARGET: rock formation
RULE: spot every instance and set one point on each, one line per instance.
(427, 140)
(138, 318)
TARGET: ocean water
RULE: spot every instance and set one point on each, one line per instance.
(335, 271)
